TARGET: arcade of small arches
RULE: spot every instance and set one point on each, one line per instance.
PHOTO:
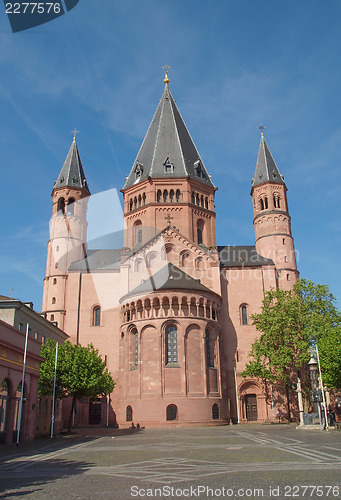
(170, 196)
(185, 257)
(10, 395)
(137, 202)
(66, 206)
(264, 202)
(163, 306)
(199, 200)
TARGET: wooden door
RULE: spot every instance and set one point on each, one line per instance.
(251, 407)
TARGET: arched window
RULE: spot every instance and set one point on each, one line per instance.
(215, 411)
(71, 206)
(165, 195)
(135, 203)
(52, 317)
(129, 414)
(131, 204)
(172, 412)
(151, 260)
(96, 320)
(171, 195)
(266, 202)
(137, 232)
(144, 199)
(202, 201)
(171, 344)
(197, 199)
(53, 300)
(178, 195)
(185, 259)
(288, 277)
(158, 195)
(54, 281)
(61, 206)
(206, 202)
(261, 202)
(138, 265)
(139, 200)
(209, 357)
(199, 264)
(200, 230)
(193, 198)
(244, 315)
(134, 349)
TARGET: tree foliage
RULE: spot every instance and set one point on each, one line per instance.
(290, 322)
(81, 372)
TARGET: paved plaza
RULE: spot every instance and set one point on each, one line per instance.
(241, 461)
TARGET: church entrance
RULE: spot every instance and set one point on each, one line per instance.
(251, 407)
(95, 412)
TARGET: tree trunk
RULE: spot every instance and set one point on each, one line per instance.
(69, 426)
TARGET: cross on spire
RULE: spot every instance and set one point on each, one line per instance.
(74, 132)
(166, 68)
(261, 128)
(168, 219)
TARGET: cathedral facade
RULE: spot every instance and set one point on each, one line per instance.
(170, 311)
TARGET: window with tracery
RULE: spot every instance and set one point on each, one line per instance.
(171, 344)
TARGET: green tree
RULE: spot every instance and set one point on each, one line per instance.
(289, 322)
(81, 373)
(330, 357)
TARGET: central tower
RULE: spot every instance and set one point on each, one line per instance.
(168, 182)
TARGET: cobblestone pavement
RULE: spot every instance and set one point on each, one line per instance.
(242, 461)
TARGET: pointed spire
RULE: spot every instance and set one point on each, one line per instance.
(167, 149)
(72, 174)
(266, 168)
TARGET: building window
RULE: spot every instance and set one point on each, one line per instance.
(61, 206)
(52, 317)
(54, 281)
(171, 196)
(144, 199)
(97, 316)
(53, 300)
(200, 230)
(193, 198)
(134, 349)
(158, 195)
(36, 336)
(178, 195)
(171, 344)
(130, 204)
(206, 202)
(215, 411)
(244, 315)
(165, 195)
(71, 206)
(21, 327)
(129, 414)
(208, 350)
(168, 166)
(172, 412)
(138, 171)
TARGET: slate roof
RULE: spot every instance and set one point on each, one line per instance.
(98, 259)
(266, 168)
(72, 173)
(167, 141)
(241, 256)
(169, 277)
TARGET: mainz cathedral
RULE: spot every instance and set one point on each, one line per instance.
(169, 311)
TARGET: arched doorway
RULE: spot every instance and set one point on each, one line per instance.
(251, 409)
(4, 400)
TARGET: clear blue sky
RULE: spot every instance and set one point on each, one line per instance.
(234, 65)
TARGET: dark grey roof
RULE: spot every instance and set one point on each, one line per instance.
(169, 277)
(72, 174)
(266, 168)
(240, 256)
(167, 141)
(98, 259)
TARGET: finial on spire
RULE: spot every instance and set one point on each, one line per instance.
(74, 132)
(261, 128)
(166, 68)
